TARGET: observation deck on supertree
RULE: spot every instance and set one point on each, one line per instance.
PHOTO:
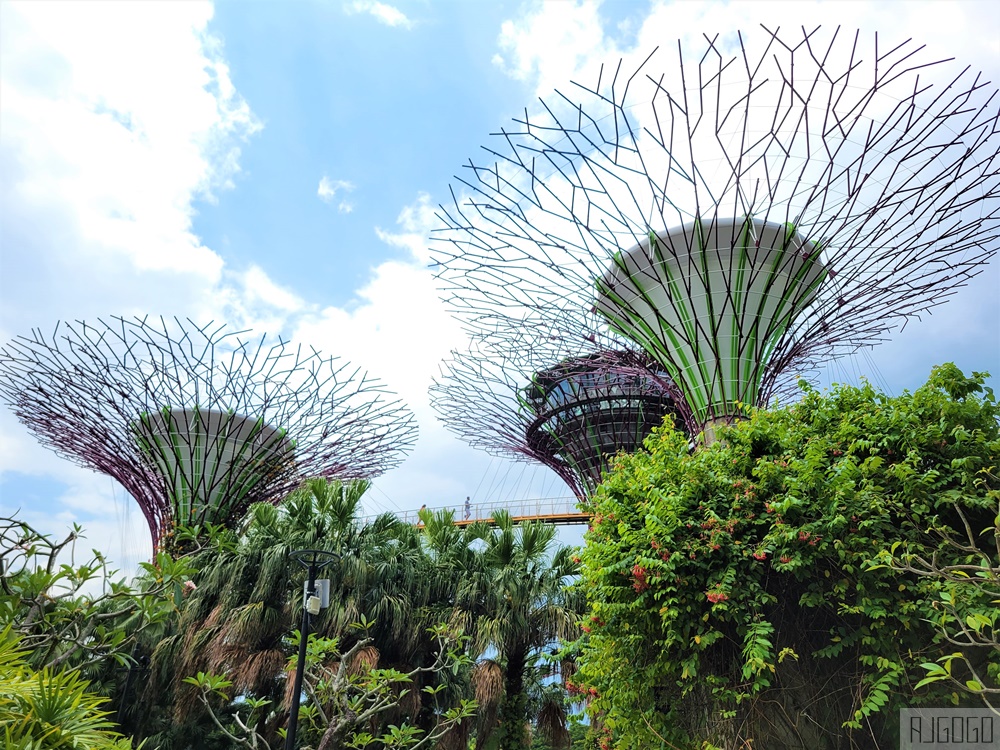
(743, 211)
(198, 423)
(572, 416)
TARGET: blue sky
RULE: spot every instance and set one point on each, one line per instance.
(347, 98)
(277, 165)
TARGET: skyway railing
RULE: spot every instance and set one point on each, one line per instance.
(560, 510)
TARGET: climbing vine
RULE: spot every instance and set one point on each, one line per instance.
(740, 593)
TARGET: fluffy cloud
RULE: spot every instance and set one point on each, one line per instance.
(328, 189)
(416, 222)
(397, 326)
(116, 119)
(401, 332)
(385, 14)
(552, 44)
(106, 149)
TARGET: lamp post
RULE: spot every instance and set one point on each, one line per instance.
(312, 560)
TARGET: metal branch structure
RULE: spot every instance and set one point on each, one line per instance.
(742, 211)
(196, 422)
(570, 412)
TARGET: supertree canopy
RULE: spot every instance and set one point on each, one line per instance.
(198, 423)
(742, 211)
(573, 414)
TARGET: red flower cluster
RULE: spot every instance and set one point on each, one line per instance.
(639, 582)
(716, 596)
(805, 536)
(574, 689)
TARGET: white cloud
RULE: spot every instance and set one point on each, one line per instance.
(397, 318)
(386, 14)
(250, 299)
(116, 119)
(105, 149)
(401, 332)
(552, 44)
(328, 189)
(416, 220)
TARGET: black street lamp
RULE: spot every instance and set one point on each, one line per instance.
(313, 560)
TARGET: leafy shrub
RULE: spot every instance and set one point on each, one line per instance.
(737, 591)
(49, 708)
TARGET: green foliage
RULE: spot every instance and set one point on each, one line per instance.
(521, 604)
(733, 587)
(50, 708)
(346, 699)
(248, 601)
(217, 628)
(85, 617)
(79, 615)
(966, 569)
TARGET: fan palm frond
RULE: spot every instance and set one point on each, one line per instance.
(552, 721)
(364, 661)
(487, 682)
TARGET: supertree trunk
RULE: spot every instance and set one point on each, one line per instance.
(742, 212)
(198, 423)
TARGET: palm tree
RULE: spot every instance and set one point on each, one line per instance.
(527, 605)
(238, 619)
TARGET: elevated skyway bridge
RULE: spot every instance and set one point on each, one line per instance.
(556, 510)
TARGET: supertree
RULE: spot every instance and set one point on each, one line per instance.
(571, 411)
(742, 212)
(198, 422)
